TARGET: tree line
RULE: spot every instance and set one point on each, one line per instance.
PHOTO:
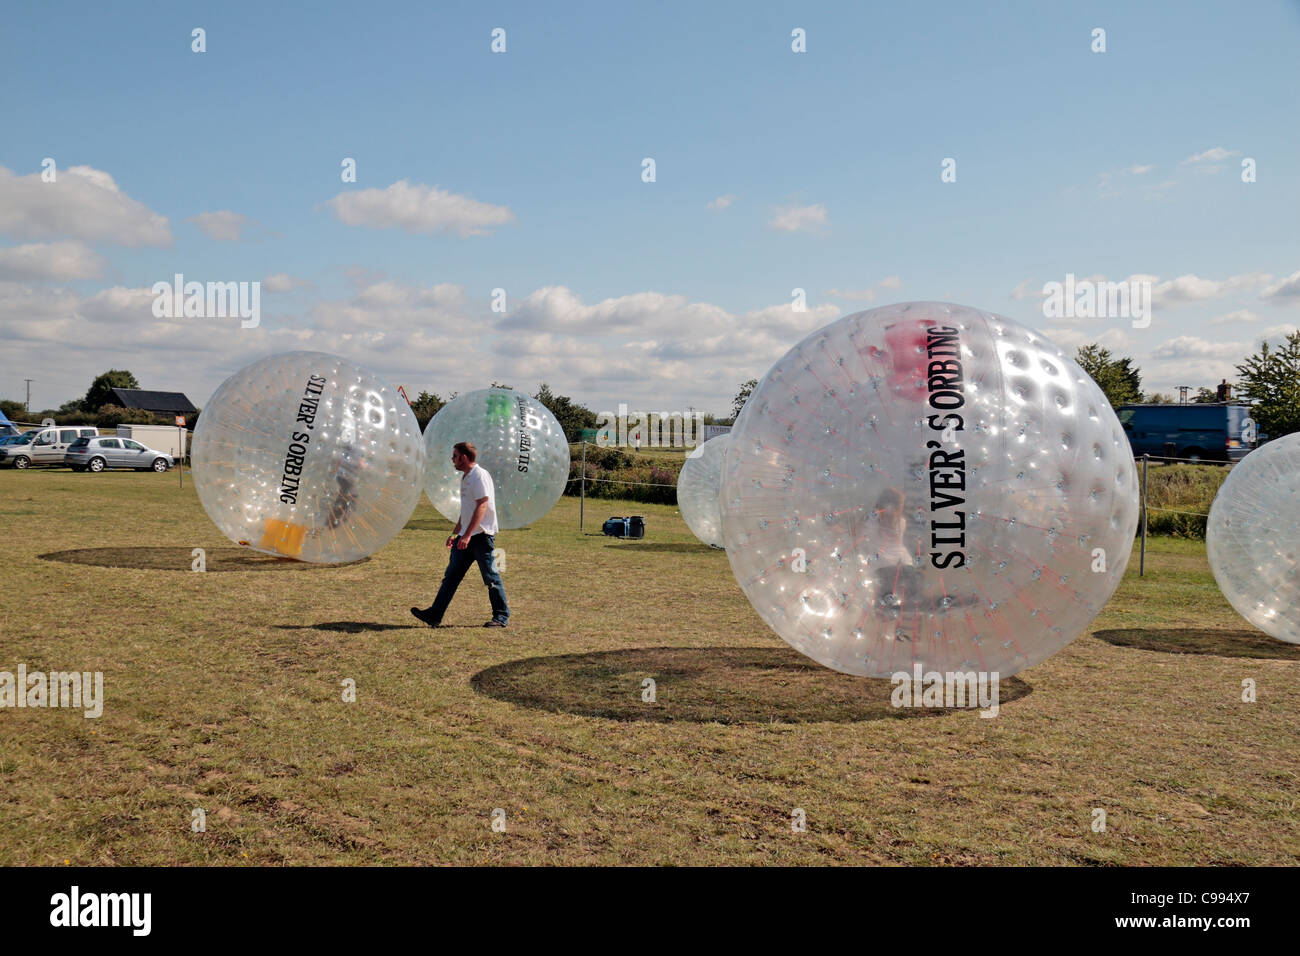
(1269, 380)
(97, 407)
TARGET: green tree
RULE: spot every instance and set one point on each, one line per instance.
(1205, 396)
(425, 407)
(13, 410)
(1270, 380)
(738, 403)
(1117, 378)
(499, 385)
(572, 416)
(101, 389)
(1158, 398)
(110, 416)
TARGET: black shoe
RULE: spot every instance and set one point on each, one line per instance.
(424, 618)
(495, 623)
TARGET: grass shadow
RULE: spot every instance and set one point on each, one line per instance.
(697, 548)
(181, 559)
(1193, 640)
(726, 685)
(349, 627)
(428, 524)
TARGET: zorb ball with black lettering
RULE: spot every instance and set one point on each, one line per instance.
(697, 490)
(1253, 538)
(929, 484)
(308, 456)
(519, 443)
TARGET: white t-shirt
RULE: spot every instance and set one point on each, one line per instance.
(475, 484)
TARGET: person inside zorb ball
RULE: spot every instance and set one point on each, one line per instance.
(927, 483)
(308, 456)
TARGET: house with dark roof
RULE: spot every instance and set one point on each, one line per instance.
(159, 403)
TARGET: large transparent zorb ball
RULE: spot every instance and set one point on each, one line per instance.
(1253, 538)
(697, 490)
(928, 484)
(308, 456)
(519, 443)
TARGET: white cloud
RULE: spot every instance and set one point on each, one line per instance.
(1215, 154)
(283, 282)
(1193, 346)
(51, 260)
(1276, 333)
(1191, 288)
(1027, 290)
(1235, 318)
(1283, 292)
(82, 203)
(1139, 170)
(722, 202)
(223, 225)
(800, 218)
(418, 209)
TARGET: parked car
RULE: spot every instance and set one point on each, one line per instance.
(1206, 431)
(96, 454)
(43, 446)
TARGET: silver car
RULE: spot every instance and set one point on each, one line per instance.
(96, 454)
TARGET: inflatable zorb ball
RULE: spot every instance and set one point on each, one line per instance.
(308, 456)
(697, 490)
(519, 443)
(928, 484)
(1253, 538)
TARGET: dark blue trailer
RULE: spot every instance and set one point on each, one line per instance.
(1209, 431)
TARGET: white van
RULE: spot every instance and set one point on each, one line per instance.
(46, 446)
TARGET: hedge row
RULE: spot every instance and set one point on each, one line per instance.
(619, 474)
(1186, 491)
(1178, 496)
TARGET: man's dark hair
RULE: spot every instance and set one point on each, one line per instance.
(466, 449)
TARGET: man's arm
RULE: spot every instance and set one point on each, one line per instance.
(480, 509)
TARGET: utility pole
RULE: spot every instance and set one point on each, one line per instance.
(27, 406)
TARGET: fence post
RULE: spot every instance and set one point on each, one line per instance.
(582, 500)
(1142, 559)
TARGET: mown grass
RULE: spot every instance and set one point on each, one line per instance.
(224, 693)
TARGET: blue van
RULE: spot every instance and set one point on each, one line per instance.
(1210, 431)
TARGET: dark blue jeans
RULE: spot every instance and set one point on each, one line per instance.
(480, 549)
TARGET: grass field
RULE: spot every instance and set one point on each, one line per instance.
(223, 692)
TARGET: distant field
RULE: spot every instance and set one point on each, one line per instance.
(223, 693)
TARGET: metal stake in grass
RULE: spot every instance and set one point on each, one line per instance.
(1142, 557)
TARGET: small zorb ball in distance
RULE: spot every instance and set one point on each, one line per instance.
(308, 456)
(929, 484)
(1253, 538)
(698, 484)
(519, 443)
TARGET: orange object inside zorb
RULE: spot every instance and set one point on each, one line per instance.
(283, 537)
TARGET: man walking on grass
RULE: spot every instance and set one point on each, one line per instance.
(471, 541)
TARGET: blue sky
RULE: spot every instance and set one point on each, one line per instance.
(523, 172)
